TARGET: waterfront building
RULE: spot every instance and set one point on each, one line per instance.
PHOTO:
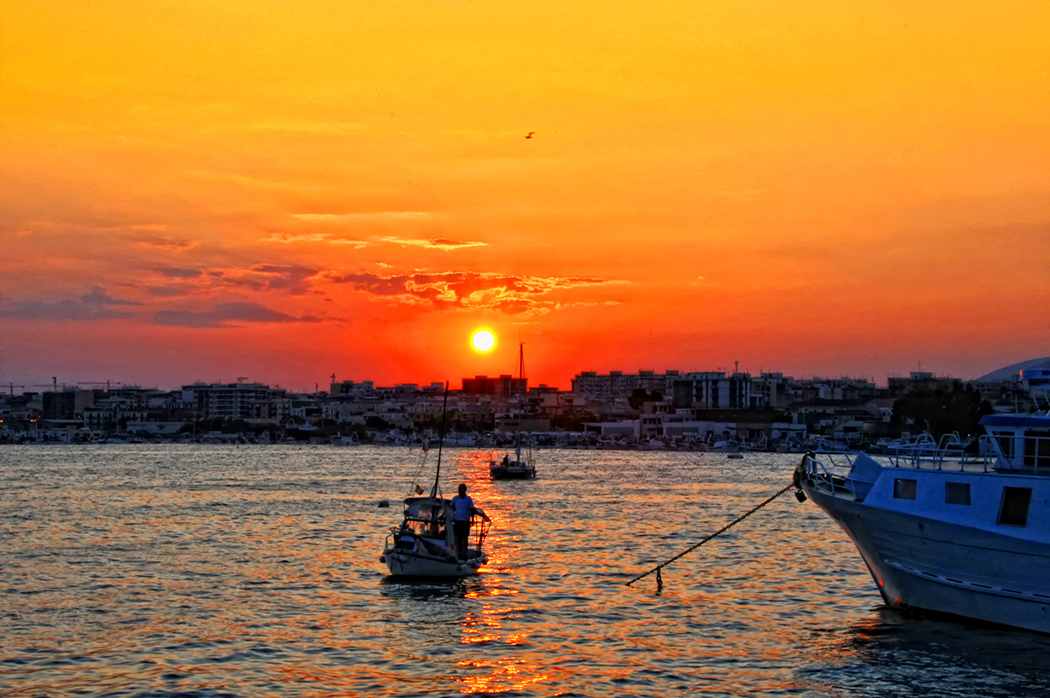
(618, 386)
(111, 415)
(66, 404)
(713, 390)
(919, 380)
(230, 400)
(351, 388)
(505, 385)
(770, 391)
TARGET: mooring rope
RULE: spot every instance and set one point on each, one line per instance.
(659, 577)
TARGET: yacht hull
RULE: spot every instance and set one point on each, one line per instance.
(505, 474)
(402, 564)
(512, 470)
(922, 563)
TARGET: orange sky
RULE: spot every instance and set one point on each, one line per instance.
(280, 191)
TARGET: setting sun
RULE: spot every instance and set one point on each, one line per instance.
(483, 340)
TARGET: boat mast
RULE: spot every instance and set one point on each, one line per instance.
(521, 406)
(441, 441)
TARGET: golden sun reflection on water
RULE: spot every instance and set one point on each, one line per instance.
(503, 676)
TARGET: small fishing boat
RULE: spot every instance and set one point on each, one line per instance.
(425, 544)
(520, 467)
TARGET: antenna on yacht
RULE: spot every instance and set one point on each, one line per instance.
(441, 441)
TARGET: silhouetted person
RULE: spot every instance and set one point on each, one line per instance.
(462, 510)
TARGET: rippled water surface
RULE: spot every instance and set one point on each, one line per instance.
(254, 571)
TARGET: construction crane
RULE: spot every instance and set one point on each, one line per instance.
(12, 387)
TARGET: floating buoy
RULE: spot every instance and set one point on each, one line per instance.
(384, 504)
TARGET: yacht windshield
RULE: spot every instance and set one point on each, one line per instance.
(428, 528)
(426, 509)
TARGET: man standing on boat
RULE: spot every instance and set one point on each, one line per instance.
(463, 509)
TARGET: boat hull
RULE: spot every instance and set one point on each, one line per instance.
(924, 564)
(517, 469)
(403, 563)
(510, 474)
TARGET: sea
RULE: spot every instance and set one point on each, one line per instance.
(249, 570)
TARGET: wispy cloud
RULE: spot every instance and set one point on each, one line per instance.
(99, 297)
(274, 277)
(96, 304)
(171, 290)
(434, 243)
(226, 315)
(468, 290)
(585, 304)
(292, 279)
(178, 272)
(168, 244)
(288, 238)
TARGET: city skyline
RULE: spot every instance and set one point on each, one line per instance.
(455, 384)
(283, 192)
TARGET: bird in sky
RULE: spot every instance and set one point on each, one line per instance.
(530, 134)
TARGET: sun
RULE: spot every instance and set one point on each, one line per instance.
(483, 340)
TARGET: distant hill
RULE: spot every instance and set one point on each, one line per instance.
(1008, 372)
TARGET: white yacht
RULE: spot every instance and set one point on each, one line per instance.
(340, 440)
(950, 529)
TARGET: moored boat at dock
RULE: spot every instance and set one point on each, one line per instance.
(949, 529)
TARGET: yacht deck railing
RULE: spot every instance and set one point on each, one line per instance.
(1028, 455)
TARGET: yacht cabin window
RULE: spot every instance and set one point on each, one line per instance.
(1013, 511)
(430, 528)
(957, 493)
(904, 488)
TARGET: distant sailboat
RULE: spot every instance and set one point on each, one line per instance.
(523, 465)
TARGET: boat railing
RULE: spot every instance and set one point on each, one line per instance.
(831, 469)
(836, 471)
(479, 527)
(950, 453)
(991, 453)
